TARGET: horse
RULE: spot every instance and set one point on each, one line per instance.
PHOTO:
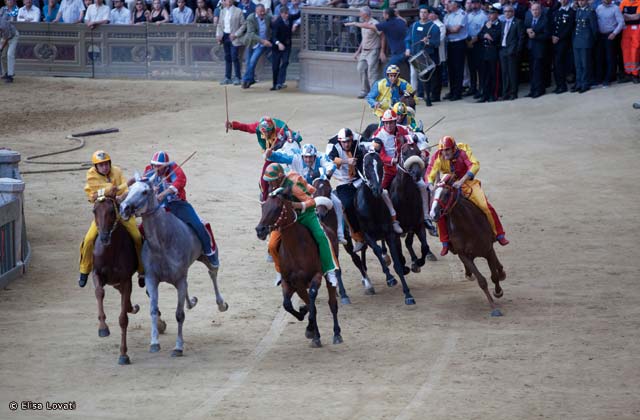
(328, 218)
(114, 262)
(470, 236)
(406, 197)
(169, 249)
(375, 222)
(300, 263)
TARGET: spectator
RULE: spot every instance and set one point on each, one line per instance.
(564, 18)
(182, 15)
(630, 42)
(256, 41)
(538, 30)
(158, 13)
(203, 13)
(282, 29)
(29, 12)
(230, 27)
(50, 10)
(97, 14)
(247, 7)
(8, 40)
(119, 15)
(610, 24)
(490, 37)
(368, 53)
(279, 6)
(475, 47)
(423, 35)
(86, 4)
(436, 79)
(584, 37)
(265, 3)
(70, 11)
(140, 14)
(394, 30)
(456, 24)
(511, 46)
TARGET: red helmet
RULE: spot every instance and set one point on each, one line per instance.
(389, 115)
(447, 142)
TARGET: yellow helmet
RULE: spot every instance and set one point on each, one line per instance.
(393, 69)
(400, 108)
(100, 156)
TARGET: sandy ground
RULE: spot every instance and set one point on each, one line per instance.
(561, 170)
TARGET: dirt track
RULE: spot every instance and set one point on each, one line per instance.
(561, 170)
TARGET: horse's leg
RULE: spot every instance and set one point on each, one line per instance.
(385, 255)
(395, 249)
(344, 298)
(222, 305)
(482, 282)
(182, 297)
(152, 290)
(425, 252)
(333, 306)
(408, 243)
(497, 273)
(316, 281)
(287, 293)
(359, 265)
(125, 306)
(377, 250)
(103, 328)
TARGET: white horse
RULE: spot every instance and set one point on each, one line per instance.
(169, 249)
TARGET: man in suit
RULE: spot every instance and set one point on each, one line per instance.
(511, 45)
(584, 38)
(281, 29)
(256, 41)
(490, 37)
(563, 19)
(228, 31)
(538, 31)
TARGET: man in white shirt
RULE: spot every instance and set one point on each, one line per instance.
(182, 15)
(436, 83)
(119, 15)
(97, 14)
(29, 12)
(70, 11)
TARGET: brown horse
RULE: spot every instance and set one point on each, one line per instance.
(470, 236)
(114, 262)
(299, 263)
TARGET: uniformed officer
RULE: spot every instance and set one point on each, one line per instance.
(490, 36)
(586, 30)
(456, 24)
(476, 18)
(564, 18)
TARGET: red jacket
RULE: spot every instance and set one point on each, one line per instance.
(177, 179)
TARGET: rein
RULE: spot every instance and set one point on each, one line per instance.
(362, 175)
(451, 202)
(101, 198)
(283, 217)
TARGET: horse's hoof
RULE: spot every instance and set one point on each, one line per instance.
(154, 348)
(162, 326)
(194, 302)
(431, 257)
(176, 353)
(387, 259)
(222, 307)
(496, 312)
(392, 282)
(104, 332)
(135, 309)
(370, 292)
(345, 300)
(498, 294)
(308, 333)
(409, 301)
(316, 343)
(469, 277)
(124, 360)
(406, 270)
(337, 339)
(415, 268)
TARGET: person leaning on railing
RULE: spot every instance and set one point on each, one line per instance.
(158, 13)
(29, 12)
(140, 14)
(70, 11)
(203, 13)
(50, 11)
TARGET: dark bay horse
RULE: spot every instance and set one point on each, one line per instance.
(114, 262)
(470, 236)
(406, 198)
(299, 264)
(375, 222)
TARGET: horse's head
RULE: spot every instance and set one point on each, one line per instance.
(323, 189)
(411, 161)
(141, 199)
(105, 212)
(445, 196)
(373, 173)
(277, 213)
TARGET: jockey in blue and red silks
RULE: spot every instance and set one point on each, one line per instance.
(170, 181)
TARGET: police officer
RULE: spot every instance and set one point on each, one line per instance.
(563, 19)
(584, 38)
(490, 36)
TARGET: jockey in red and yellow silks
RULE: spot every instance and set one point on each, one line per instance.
(103, 175)
(457, 159)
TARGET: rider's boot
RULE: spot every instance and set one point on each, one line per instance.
(424, 194)
(502, 240)
(82, 281)
(387, 200)
(213, 258)
(445, 249)
(337, 205)
(333, 279)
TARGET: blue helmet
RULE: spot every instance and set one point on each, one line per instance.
(160, 158)
(309, 150)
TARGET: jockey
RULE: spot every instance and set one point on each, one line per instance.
(457, 159)
(170, 181)
(406, 116)
(345, 154)
(104, 176)
(271, 133)
(311, 166)
(386, 92)
(387, 140)
(302, 200)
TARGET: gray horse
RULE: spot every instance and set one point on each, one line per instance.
(169, 249)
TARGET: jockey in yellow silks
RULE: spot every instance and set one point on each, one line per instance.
(457, 159)
(105, 176)
(387, 91)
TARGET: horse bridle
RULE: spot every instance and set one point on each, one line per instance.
(451, 202)
(101, 198)
(364, 178)
(282, 217)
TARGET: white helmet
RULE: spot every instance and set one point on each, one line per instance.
(309, 150)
